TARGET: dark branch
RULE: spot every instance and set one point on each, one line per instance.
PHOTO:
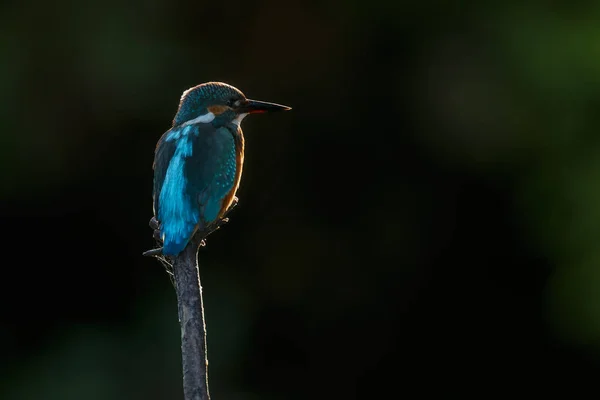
(191, 318)
(186, 279)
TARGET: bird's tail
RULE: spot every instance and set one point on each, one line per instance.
(176, 236)
(174, 246)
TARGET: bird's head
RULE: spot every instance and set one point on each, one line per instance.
(218, 102)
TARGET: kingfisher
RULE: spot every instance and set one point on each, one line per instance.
(198, 162)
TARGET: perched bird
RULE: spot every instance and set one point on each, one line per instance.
(198, 162)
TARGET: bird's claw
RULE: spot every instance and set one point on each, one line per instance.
(155, 225)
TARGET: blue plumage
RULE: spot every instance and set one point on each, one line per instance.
(178, 213)
(222, 182)
(200, 173)
(198, 162)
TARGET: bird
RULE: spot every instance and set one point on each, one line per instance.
(198, 162)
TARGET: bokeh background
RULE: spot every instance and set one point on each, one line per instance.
(426, 221)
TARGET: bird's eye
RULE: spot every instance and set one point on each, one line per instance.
(232, 103)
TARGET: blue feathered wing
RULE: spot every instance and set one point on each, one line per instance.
(194, 170)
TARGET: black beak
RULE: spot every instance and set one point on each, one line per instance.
(255, 106)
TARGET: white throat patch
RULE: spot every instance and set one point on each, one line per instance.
(238, 120)
(206, 118)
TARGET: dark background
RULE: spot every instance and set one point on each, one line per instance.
(425, 221)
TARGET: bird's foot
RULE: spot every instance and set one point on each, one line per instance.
(155, 225)
(199, 237)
